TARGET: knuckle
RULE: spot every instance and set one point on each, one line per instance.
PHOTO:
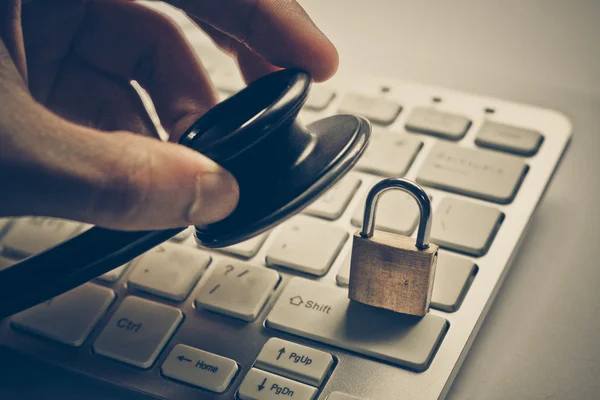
(164, 27)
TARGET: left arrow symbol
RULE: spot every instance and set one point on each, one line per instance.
(182, 358)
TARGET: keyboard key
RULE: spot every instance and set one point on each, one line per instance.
(223, 95)
(294, 361)
(114, 275)
(389, 154)
(343, 276)
(438, 123)
(307, 244)
(465, 226)
(248, 248)
(307, 116)
(5, 262)
(342, 396)
(4, 222)
(333, 203)
(200, 368)
(512, 139)
(32, 235)
(68, 318)
(479, 173)
(323, 313)
(262, 385)
(84, 227)
(183, 235)
(319, 97)
(138, 331)
(212, 58)
(397, 212)
(452, 280)
(228, 79)
(376, 109)
(237, 289)
(169, 270)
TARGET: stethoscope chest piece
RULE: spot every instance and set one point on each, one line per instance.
(280, 165)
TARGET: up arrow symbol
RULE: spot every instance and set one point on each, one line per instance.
(281, 351)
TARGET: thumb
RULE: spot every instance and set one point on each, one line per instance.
(118, 180)
(152, 184)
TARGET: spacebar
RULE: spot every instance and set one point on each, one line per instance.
(323, 313)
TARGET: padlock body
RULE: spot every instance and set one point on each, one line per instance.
(388, 271)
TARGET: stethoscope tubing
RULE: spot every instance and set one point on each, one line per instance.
(70, 264)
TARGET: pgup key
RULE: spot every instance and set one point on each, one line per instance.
(391, 271)
(294, 361)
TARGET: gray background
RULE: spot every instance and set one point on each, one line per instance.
(540, 339)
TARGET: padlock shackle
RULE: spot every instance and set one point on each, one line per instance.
(409, 187)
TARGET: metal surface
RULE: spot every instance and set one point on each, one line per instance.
(417, 193)
(539, 340)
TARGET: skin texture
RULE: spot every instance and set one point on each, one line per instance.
(75, 139)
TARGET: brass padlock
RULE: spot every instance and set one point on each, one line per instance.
(391, 271)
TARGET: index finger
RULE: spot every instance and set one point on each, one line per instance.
(280, 31)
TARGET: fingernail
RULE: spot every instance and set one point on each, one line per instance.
(217, 194)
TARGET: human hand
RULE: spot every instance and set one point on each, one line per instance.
(75, 139)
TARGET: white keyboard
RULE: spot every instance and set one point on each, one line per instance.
(270, 318)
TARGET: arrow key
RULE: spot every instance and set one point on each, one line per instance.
(262, 385)
(200, 368)
(294, 361)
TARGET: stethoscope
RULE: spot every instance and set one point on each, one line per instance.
(280, 165)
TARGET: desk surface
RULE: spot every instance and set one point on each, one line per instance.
(540, 339)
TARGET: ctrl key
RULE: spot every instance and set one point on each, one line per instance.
(138, 331)
(262, 385)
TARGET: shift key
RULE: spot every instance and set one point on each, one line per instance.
(323, 313)
(484, 174)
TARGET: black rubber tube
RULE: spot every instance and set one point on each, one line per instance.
(72, 263)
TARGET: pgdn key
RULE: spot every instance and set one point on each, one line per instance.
(262, 385)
